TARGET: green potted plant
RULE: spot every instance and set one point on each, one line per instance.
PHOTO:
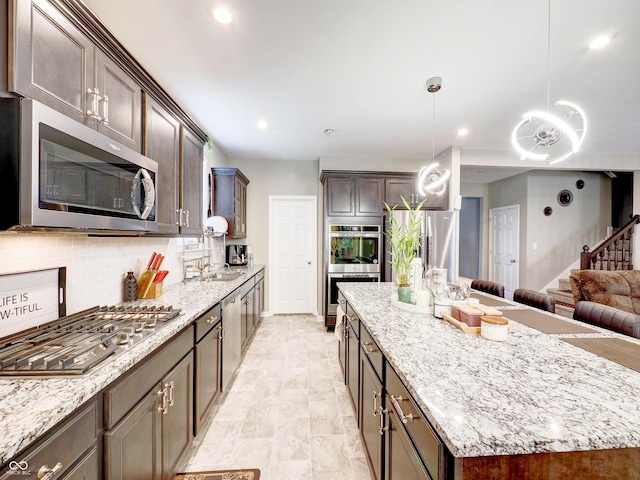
(404, 240)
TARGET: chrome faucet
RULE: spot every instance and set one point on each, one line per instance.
(206, 273)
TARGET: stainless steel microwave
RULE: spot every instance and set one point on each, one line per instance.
(59, 174)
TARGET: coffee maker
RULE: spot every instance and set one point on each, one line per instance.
(237, 255)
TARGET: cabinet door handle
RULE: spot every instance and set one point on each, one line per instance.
(93, 113)
(382, 428)
(170, 386)
(396, 405)
(374, 397)
(46, 473)
(105, 109)
(179, 212)
(164, 408)
(186, 216)
(220, 336)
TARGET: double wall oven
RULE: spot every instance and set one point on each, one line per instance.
(353, 255)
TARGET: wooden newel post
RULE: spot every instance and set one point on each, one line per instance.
(585, 258)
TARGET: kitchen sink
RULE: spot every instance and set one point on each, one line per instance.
(224, 277)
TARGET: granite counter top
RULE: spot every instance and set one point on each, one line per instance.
(533, 393)
(31, 406)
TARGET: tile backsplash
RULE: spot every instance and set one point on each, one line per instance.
(96, 266)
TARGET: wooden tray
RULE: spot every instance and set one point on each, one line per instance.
(466, 328)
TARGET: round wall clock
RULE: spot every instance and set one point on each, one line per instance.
(565, 197)
(548, 211)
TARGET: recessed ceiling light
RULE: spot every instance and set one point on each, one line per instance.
(262, 124)
(222, 15)
(462, 132)
(600, 42)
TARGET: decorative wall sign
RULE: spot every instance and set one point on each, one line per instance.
(29, 299)
(580, 184)
(548, 211)
(565, 197)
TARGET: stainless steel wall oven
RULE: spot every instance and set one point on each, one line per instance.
(353, 253)
(335, 278)
(354, 248)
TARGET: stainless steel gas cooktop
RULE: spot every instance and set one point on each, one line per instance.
(74, 344)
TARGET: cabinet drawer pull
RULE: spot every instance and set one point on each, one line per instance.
(211, 320)
(46, 473)
(396, 405)
(367, 346)
(164, 408)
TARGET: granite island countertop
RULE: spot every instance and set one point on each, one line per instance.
(533, 393)
(30, 406)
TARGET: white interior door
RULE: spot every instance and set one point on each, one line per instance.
(293, 242)
(503, 253)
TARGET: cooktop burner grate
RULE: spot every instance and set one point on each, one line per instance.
(74, 344)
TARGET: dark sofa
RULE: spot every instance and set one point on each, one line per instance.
(609, 299)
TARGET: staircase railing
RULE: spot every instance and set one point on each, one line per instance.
(612, 254)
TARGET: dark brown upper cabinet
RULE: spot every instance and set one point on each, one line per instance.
(406, 186)
(191, 188)
(54, 63)
(162, 144)
(180, 170)
(353, 195)
(229, 199)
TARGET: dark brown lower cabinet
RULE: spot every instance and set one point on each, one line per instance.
(66, 451)
(207, 371)
(342, 346)
(132, 447)
(88, 467)
(371, 404)
(148, 442)
(177, 424)
(353, 366)
(424, 441)
(401, 459)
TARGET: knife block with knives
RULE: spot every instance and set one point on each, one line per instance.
(150, 282)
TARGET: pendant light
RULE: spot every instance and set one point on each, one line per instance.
(431, 179)
(541, 135)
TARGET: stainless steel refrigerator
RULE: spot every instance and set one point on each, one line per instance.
(439, 242)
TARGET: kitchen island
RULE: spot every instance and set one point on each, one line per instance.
(31, 406)
(534, 406)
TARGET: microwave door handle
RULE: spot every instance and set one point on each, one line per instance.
(143, 180)
(149, 194)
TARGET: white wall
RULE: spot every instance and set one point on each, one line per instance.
(272, 177)
(559, 237)
(96, 266)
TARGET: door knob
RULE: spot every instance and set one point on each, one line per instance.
(309, 262)
(513, 260)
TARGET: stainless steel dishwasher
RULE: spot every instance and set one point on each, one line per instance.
(232, 341)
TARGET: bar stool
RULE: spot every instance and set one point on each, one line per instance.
(487, 286)
(535, 299)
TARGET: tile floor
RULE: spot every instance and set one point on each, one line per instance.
(287, 411)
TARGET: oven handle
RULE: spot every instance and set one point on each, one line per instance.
(356, 235)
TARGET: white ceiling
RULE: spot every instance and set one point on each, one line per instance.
(360, 67)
